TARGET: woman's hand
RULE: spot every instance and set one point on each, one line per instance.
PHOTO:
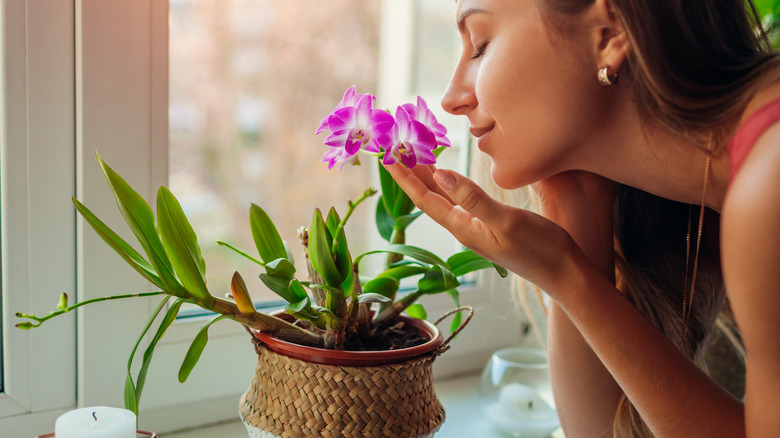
(523, 242)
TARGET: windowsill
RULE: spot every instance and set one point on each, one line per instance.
(458, 395)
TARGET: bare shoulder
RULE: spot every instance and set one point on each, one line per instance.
(750, 227)
(750, 243)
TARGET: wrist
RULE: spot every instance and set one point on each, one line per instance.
(576, 278)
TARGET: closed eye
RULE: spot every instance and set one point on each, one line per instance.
(479, 51)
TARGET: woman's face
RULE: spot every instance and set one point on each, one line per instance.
(529, 91)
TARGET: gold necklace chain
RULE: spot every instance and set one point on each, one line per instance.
(688, 296)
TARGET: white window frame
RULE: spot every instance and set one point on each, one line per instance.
(118, 104)
(38, 178)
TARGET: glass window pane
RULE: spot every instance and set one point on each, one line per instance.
(249, 82)
(436, 45)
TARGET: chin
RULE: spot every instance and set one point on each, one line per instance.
(507, 179)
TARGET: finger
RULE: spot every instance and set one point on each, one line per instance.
(469, 196)
(463, 224)
(425, 173)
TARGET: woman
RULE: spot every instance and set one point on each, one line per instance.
(570, 95)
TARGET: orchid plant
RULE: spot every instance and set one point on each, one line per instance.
(336, 306)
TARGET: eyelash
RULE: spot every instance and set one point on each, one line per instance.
(479, 51)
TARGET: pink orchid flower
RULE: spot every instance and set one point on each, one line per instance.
(350, 98)
(409, 141)
(339, 156)
(423, 114)
(358, 127)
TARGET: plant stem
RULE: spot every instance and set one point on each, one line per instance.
(269, 324)
(350, 208)
(41, 319)
(398, 237)
(219, 242)
(396, 308)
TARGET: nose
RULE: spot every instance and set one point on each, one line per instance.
(460, 97)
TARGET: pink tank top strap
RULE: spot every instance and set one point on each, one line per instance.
(749, 132)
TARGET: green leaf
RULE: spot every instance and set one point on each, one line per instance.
(384, 222)
(168, 319)
(131, 396)
(196, 349)
(296, 291)
(501, 270)
(281, 268)
(403, 204)
(131, 400)
(404, 221)
(405, 271)
(368, 297)
(343, 259)
(397, 203)
(299, 306)
(267, 239)
(336, 302)
(417, 311)
(456, 319)
(319, 251)
(408, 250)
(386, 286)
(277, 285)
(303, 310)
(467, 261)
(127, 252)
(324, 311)
(437, 279)
(181, 245)
(325, 287)
(140, 218)
(389, 189)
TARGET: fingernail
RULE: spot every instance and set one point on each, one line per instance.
(445, 179)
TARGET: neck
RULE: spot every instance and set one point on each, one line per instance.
(653, 159)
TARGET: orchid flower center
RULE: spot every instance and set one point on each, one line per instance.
(360, 135)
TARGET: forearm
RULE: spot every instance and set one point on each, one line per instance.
(673, 396)
(586, 395)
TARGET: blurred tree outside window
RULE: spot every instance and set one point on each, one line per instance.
(249, 82)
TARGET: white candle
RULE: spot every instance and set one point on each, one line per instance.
(96, 422)
(520, 411)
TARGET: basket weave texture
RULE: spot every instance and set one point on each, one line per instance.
(292, 398)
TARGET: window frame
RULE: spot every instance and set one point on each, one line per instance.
(37, 220)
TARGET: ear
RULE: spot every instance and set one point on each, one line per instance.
(609, 37)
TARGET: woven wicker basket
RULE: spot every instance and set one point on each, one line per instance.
(293, 398)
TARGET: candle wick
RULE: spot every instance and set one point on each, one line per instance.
(94, 416)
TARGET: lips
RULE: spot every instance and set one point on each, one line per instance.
(480, 131)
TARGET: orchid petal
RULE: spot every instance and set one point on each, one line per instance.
(336, 140)
(342, 120)
(352, 146)
(381, 122)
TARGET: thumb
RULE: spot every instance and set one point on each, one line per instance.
(468, 195)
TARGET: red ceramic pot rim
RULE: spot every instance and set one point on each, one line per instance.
(354, 358)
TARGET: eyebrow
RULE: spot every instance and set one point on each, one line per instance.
(465, 14)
